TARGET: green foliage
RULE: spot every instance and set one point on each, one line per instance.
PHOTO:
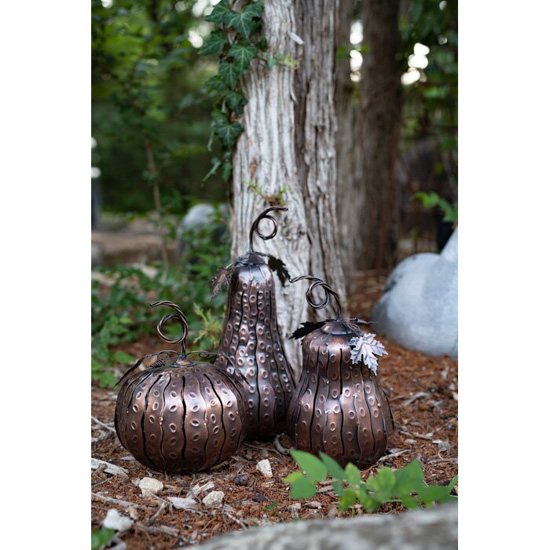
(112, 332)
(101, 537)
(233, 43)
(432, 200)
(405, 485)
(121, 297)
(431, 104)
(147, 86)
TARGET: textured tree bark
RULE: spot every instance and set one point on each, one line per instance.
(289, 144)
(378, 134)
(348, 220)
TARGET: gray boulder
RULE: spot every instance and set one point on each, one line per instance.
(419, 307)
(430, 529)
(198, 218)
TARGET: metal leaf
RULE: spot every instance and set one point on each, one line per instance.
(365, 349)
(306, 328)
(279, 267)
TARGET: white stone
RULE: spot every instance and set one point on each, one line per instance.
(264, 467)
(213, 499)
(150, 486)
(419, 307)
(114, 520)
(183, 503)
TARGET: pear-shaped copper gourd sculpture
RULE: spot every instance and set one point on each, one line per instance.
(339, 407)
(251, 339)
(180, 415)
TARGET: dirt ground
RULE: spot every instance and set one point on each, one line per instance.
(423, 392)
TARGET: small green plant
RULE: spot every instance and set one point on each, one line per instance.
(432, 200)
(102, 355)
(273, 508)
(405, 485)
(101, 537)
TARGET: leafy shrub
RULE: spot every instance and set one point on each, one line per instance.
(121, 296)
(432, 199)
(405, 485)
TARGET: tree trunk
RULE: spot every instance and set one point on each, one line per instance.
(378, 134)
(289, 145)
(347, 192)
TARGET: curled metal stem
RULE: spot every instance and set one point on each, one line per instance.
(256, 225)
(316, 282)
(178, 316)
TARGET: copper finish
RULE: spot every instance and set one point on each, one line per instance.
(339, 407)
(180, 415)
(252, 342)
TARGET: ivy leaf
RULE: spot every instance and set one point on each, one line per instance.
(353, 474)
(347, 500)
(367, 501)
(243, 55)
(409, 479)
(280, 268)
(303, 487)
(215, 43)
(306, 328)
(227, 168)
(220, 14)
(410, 503)
(228, 133)
(428, 495)
(245, 22)
(311, 465)
(216, 84)
(236, 102)
(335, 470)
(230, 74)
(293, 477)
(100, 537)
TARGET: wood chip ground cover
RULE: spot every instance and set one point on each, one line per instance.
(423, 392)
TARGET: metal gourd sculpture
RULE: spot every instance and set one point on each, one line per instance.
(180, 415)
(251, 339)
(339, 407)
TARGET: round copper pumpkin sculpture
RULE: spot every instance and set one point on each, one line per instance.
(180, 415)
(251, 339)
(339, 407)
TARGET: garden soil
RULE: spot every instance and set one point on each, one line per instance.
(423, 392)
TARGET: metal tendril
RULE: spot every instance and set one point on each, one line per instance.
(178, 316)
(256, 225)
(328, 293)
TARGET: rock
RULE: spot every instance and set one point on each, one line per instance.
(241, 479)
(294, 508)
(264, 466)
(114, 520)
(434, 528)
(419, 307)
(198, 218)
(109, 468)
(150, 486)
(183, 503)
(213, 499)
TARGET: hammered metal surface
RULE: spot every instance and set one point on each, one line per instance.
(338, 407)
(252, 342)
(181, 417)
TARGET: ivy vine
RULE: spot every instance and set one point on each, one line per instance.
(237, 42)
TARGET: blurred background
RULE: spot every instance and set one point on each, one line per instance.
(160, 194)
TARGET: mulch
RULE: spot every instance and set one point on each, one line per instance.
(423, 392)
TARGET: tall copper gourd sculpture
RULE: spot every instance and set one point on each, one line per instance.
(251, 339)
(180, 415)
(339, 407)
